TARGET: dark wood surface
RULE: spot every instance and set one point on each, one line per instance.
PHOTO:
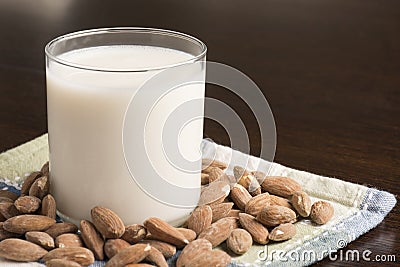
(329, 69)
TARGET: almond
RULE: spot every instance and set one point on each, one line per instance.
(302, 203)
(134, 233)
(204, 178)
(234, 213)
(8, 210)
(166, 249)
(194, 248)
(8, 194)
(61, 228)
(240, 196)
(80, 255)
(283, 232)
(162, 231)
(275, 215)
(6, 199)
(26, 185)
(189, 234)
(114, 246)
(139, 265)
(40, 187)
(240, 241)
(210, 258)
(26, 223)
(62, 263)
(40, 238)
(218, 232)
(21, 250)
(258, 231)
(200, 219)
(156, 257)
(132, 254)
(207, 164)
(247, 180)
(257, 204)
(107, 222)
(281, 186)
(45, 168)
(214, 193)
(216, 174)
(5, 234)
(321, 212)
(280, 201)
(220, 210)
(68, 241)
(92, 239)
(49, 206)
(27, 204)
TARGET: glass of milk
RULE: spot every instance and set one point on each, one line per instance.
(125, 121)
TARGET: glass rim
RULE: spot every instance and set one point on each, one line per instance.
(171, 33)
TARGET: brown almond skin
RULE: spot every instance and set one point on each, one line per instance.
(281, 186)
(220, 210)
(166, 249)
(189, 234)
(27, 204)
(92, 239)
(257, 204)
(200, 219)
(8, 210)
(240, 196)
(45, 168)
(8, 194)
(274, 215)
(26, 185)
(258, 231)
(6, 199)
(207, 164)
(218, 232)
(107, 222)
(240, 241)
(40, 238)
(113, 246)
(82, 256)
(204, 179)
(156, 257)
(21, 250)
(40, 187)
(283, 232)
(5, 234)
(134, 233)
(214, 193)
(61, 228)
(49, 206)
(26, 223)
(194, 248)
(162, 231)
(234, 213)
(139, 265)
(280, 201)
(210, 258)
(68, 241)
(302, 203)
(132, 254)
(321, 212)
(62, 263)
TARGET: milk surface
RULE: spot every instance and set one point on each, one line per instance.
(86, 112)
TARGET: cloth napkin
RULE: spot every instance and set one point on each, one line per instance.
(358, 208)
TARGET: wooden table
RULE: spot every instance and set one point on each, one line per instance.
(329, 69)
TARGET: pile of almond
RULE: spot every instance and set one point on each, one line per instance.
(238, 210)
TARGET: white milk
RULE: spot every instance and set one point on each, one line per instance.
(85, 117)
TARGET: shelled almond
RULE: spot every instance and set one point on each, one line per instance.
(236, 210)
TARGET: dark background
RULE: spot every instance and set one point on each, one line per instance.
(329, 69)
